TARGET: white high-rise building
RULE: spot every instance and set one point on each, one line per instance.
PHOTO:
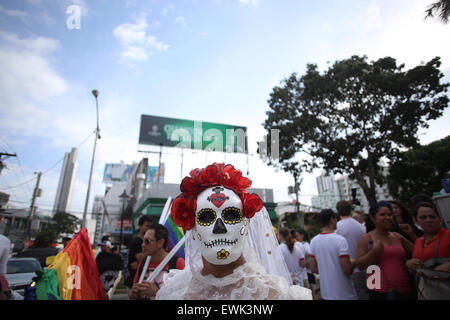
(327, 192)
(66, 182)
(331, 189)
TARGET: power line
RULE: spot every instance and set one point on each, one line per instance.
(18, 161)
(45, 207)
(44, 172)
(21, 184)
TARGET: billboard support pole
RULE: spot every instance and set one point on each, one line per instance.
(159, 166)
(182, 158)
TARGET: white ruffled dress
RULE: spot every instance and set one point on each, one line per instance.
(249, 281)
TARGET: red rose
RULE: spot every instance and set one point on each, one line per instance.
(183, 212)
(190, 187)
(251, 203)
(227, 172)
(210, 176)
(238, 183)
(195, 173)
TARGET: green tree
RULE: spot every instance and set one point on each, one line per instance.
(45, 238)
(419, 170)
(63, 223)
(313, 225)
(354, 114)
(291, 220)
(440, 8)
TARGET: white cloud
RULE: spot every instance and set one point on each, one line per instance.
(181, 21)
(135, 53)
(136, 44)
(412, 41)
(27, 78)
(170, 7)
(26, 70)
(253, 3)
(23, 119)
(12, 13)
(39, 45)
(34, 2)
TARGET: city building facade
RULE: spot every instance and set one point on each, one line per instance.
(332, 189)
(66, 182)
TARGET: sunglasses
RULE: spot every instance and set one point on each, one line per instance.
(146, 241)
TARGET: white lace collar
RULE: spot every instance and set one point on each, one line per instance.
(243, 271)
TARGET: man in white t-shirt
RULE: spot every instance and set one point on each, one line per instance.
(330, 258)
(352, 230)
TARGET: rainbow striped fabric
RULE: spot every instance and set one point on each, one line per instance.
(78, 277)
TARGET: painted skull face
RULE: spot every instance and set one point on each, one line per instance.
(220, 226)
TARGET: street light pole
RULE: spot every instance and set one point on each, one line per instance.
(97, 136)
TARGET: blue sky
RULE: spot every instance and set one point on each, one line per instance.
(209, 60)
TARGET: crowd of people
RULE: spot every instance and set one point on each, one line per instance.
(389, 254)
(337, 264)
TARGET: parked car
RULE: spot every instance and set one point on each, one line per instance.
(40, 254)
(20, 273)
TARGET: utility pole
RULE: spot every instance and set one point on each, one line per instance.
(36, 193)
(7, 155)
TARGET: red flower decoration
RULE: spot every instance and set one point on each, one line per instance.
(237, 182)
(217, 174)
(210, 176)
(195, 173)
(190, 187)
(251, 203)
(183, 212)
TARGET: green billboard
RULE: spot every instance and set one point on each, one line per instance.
(179, 133)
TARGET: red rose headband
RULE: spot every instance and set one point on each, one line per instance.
(216, 174)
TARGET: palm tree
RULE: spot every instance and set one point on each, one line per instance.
(440, 8)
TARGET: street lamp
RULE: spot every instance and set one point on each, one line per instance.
(124, 197)
(97, 136)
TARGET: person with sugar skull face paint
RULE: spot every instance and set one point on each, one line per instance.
(231, 250)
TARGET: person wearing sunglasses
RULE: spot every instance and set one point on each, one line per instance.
(432, 250)
(154, 245)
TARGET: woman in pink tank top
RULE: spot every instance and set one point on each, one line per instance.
(388, 250)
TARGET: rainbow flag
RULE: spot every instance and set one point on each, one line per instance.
(78, 277)
(175, 234)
